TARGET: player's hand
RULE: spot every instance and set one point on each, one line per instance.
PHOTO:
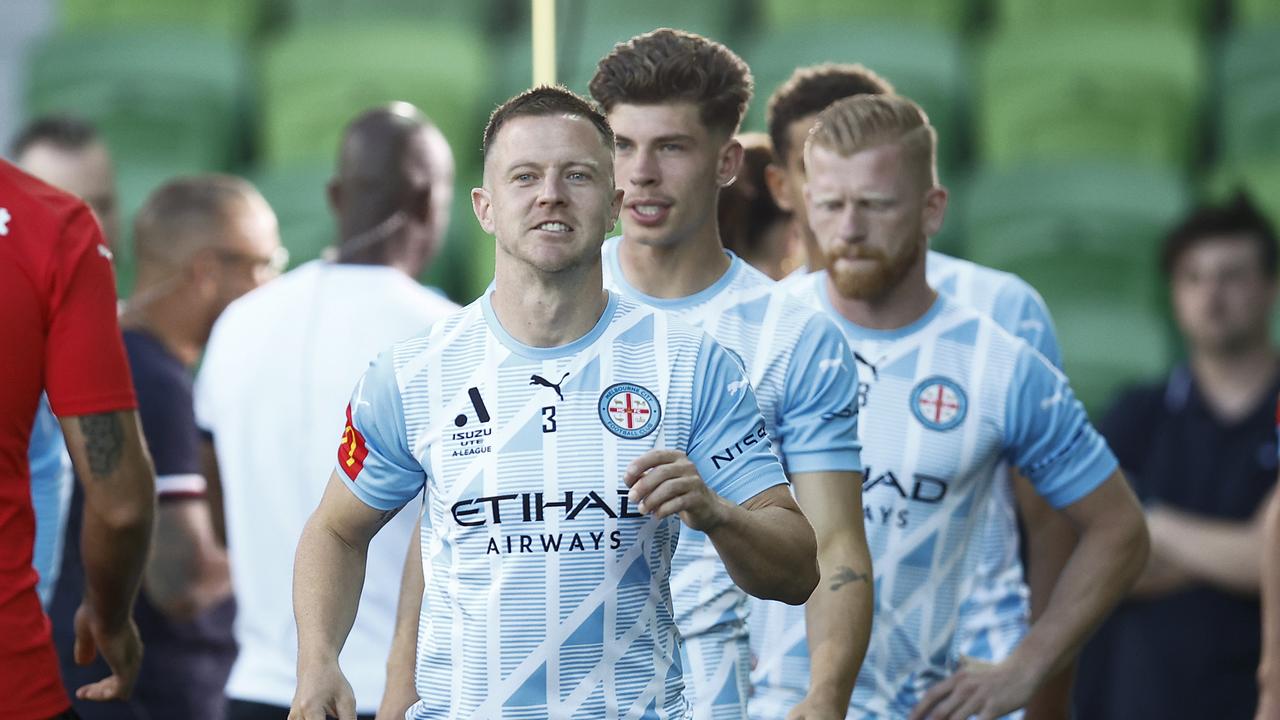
(665, 482)
(323, 692)
(977, 689)
(121, 647)
(812, 708)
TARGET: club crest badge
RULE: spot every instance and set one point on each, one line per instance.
(939, 403)
(629, 411)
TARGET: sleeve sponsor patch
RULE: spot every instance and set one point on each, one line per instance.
(352, 452)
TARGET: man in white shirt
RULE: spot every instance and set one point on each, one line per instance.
(279, 367)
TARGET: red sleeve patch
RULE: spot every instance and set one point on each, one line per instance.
(352, 452)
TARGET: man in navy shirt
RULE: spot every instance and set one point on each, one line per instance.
(1200, 449)
(200, 242)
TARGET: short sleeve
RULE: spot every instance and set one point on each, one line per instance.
(168, 424)
(1049, 438)
(1020, 310)
(818, 418)
(86, 371)
(727, 442)
(373, 458)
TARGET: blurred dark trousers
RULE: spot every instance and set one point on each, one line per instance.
(245, 710)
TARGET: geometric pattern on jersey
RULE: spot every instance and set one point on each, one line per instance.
(995, 616)
(806, 384)
(927, 491)
(547, 592)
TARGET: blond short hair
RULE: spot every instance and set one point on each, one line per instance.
(863, 122)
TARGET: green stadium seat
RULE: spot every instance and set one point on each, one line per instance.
(1261, 179)
(1250, 87)
(1029, 14)
(1107, 347)
(477, 14)
(1252, 13)
(950, 15)
(162, 97)
(297, 193)
(318, 77)
(236, 18)
(924, 64)
(1103, 91)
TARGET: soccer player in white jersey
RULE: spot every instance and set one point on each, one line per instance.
(952, 396)
(994, 617)
(674, 100)
(564, 435)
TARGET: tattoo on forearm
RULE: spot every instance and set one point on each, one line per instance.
(104, 442)
(845, 576)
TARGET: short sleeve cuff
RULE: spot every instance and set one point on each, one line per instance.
(1080, 477)
(825, 461)
(752, 483)
(372, 498)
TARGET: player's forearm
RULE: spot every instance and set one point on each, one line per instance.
(838, 620)
(770, 552)
(328, 575)
(188, 571)
(1108, 558)
(401, 692)
(119, 490)
(1221, 553)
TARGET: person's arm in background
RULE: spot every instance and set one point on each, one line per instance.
(818, 436)
(1187, 548)
(213, 477)
(401, 692)
(1050, 440)
(87, 379)
(1269, 669)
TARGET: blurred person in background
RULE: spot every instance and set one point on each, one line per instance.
(997, 613)
(1269, 668)
(58, 306)
(280, 367)
(952, 397)
(200, 242)
(752, 225)
(1200, 450)
(65, 152)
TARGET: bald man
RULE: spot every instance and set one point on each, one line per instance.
(200, 243)
(279, 369)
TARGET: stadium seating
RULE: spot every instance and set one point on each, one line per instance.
(236, 18)
(162, 97)
(1260, 178)
(1031, 14)
(317, 77)
(1257, 13)
(474, 13)
(1250, 89)
(942, 14)
(1106, 91)
(925, 64)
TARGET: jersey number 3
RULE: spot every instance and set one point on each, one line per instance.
(549, 419)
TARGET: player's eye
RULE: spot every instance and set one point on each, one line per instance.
(524, 177)
(671, 147)
(578, 176)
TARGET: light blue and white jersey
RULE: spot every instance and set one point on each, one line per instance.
(806, 383)
(995, 617)
(51, 486)
(547, 592)
(945, 400)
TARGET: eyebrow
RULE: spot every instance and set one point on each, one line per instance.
(663, 138)
(533, 165)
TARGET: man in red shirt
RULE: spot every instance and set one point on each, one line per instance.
(58, 321)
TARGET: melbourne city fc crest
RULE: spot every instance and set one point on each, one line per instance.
(938, 403)
(629, 411)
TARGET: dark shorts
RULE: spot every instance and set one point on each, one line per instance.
(245, 710)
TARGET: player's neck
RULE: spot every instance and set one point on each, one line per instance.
(675, 270)
(898, 307)
(1232, 384)
(542, 310)
(168, 321)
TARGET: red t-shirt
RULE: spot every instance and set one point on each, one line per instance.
(58, 333)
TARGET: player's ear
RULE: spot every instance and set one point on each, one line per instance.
(333, 193)
(482, 206)
(615, 207)
(775, 177)
(730, 164)
(935, 208)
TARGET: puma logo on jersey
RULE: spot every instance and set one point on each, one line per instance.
(835, 363)
(539, 380)
(5, 217)
(737, 386)
(105, 251)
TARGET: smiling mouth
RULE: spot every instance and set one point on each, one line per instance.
(648, 210)
(554, 227)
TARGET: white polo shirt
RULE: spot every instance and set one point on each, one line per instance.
(272, 389)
